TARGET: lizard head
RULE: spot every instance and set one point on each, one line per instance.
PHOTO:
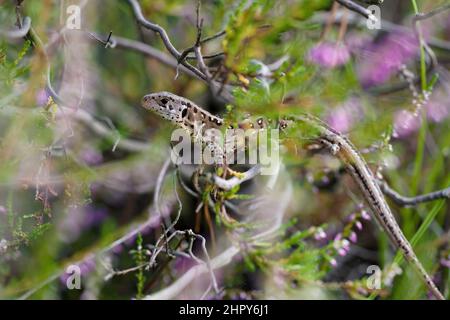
(166, 105)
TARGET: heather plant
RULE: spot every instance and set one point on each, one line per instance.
(92, 207)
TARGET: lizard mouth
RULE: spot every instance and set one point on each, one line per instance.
(149, 102)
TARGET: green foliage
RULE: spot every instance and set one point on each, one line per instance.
(139, 259)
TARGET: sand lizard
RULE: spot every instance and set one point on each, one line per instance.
(184, 113)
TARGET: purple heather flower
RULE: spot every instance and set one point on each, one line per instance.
(352, 217)
(320, 234)
(353, 237)
(86, 266)
(338, 237)
(384, 58)
(344, 116)
(183, 264)
(131, 241)
(437, 108)
(91, 156)
(365, 215)
(342, 252)
(42, 97)
(358, 225)
(405, 123)
(117, 249)
(94, 216)
(437, 111)
(328, 54)
(79, 219)
(3, 210)
(345, 244)
(445, 263)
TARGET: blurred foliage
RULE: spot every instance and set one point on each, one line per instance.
(67, 193)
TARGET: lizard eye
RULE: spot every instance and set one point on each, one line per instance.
(164, 101)
(184, 113)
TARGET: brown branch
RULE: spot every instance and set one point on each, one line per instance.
(357, 8)
(137, 10)
(412, 201)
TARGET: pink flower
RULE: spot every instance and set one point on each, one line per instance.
(42, 97)
(438, 108)
(405, 123)
(320, 234)
(358, 225)
(365, 215)
(384, 58)
(328, 54)
(353, 237)
(346, 244)
(445, 263)
(91, 156)
(342, 252)
(344, 116)
(338, 237)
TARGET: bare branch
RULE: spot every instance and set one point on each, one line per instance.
(231, 183)
(102, 130)
(21, 32)
(164, 37)
(357, 8)
(412, 201)
(179, 285)
(124, 43)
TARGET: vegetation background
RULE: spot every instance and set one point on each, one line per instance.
(84, 176)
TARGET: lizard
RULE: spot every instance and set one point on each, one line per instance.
(185, 113)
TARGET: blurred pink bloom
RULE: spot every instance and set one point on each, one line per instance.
(91, 156)
(328, 54)
(365, 215)
(405, 123)
(86, 266)
(384, 58)
(183, 264)
(117, 249)
(445, 263)
(338, 237)
(79, 219)
(358, 225)
(438, 107)
(42, 97)
(320, 234)
(3, 210)
(333, 262)
(346, 244)
(353, 237)
(344, 116)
